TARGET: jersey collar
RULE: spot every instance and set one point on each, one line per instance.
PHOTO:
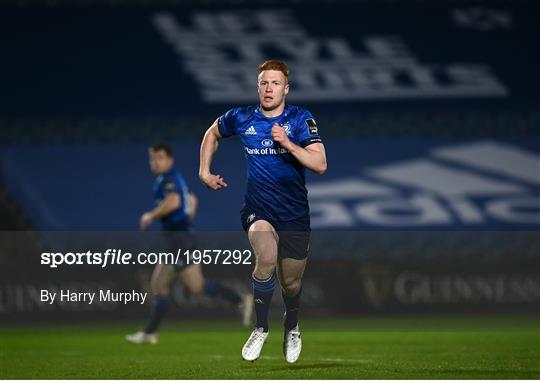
(285, 112)
(169, 172)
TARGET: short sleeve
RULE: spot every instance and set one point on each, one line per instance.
(227, 123)
(307, 131)
(168, 185)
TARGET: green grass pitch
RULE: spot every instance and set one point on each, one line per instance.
(471, 347)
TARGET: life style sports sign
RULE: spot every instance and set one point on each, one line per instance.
(220, 49)
(197, 58)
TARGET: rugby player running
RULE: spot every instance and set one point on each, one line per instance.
(280, 140)
(176, 209)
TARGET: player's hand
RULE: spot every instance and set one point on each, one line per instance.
(146, 220)
(214, 182)
(280, 136)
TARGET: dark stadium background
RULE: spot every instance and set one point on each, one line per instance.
(429, 111)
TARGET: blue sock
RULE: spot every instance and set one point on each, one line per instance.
(215, 289)
(159, 306)
(262, 296)
(292, 307)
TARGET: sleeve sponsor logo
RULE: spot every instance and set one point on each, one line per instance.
(312, 126)
(169, 185)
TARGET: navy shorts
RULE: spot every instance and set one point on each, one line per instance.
(293, 235)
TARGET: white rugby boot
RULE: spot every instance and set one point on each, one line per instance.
(253, 346)
(143, 338)
(292, 344)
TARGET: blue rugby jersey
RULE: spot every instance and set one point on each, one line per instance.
(276, 185)
(172, 181)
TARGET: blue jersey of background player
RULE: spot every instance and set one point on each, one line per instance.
(280, 141)
(172, 182)
(176, 207)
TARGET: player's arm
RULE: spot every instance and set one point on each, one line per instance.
(193, 205)
(209, 147)
(170, 203)
(312, 156)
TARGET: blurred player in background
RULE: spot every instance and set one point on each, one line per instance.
(280, 141)
(176, 209)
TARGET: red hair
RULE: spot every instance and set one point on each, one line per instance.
(274, 65)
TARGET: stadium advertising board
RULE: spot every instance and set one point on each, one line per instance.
(402, 184)
(200, 57)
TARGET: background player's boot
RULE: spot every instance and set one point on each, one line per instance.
(253, 346)
(142, 338)
(292, 344)
(246, 309)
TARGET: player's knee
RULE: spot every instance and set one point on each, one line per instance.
(266, 254)
(291, 286)
(195, 288)
(265, 266)
(162, 291)
(267, 258)
(159, 287)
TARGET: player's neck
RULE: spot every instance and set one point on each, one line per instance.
(168, 170)
(274, 112)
